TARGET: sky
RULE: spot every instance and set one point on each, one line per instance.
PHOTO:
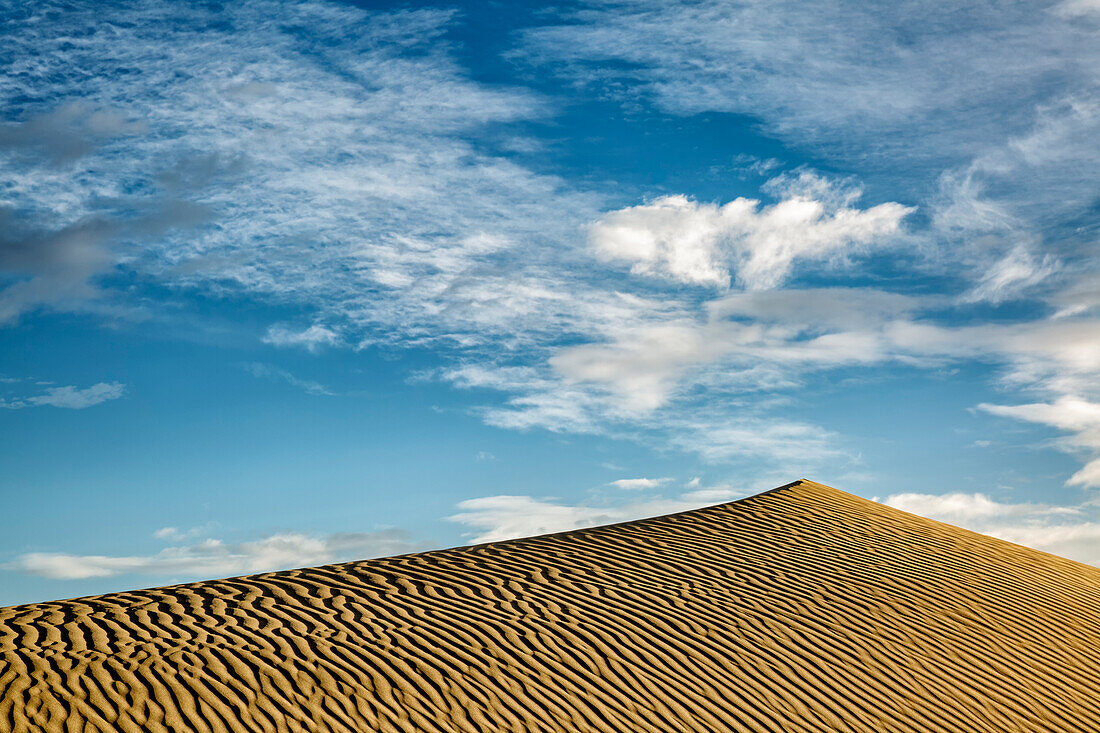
(290, 283)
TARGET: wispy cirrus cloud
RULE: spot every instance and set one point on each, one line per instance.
(852, 78)
(331, 151)
(1077, 8)
(269, 371)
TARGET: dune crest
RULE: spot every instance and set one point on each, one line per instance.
(800, 609)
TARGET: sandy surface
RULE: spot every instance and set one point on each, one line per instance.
(802, 609)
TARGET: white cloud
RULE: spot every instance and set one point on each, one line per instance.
(699, 243)
(70, 397)
(747, 342)
(1013, 214)
(310, 339)
(1067, 413)
(508, 516)
(1079, 298)
(636, 484)
(961, 508)
(212, 558)
(1076, 540)
(503, 517)
(1072, 532)
(171, 534)
(642, 367)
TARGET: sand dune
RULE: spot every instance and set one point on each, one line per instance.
(801, 609)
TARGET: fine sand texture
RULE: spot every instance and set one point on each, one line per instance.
(800, 609)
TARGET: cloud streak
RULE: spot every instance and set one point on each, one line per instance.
(1072, 414)
(311, 339)
(213, 558)
(274, 373)
(636, 484)
(69, 397)
(506, 516)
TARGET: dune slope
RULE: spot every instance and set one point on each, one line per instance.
(801, 609)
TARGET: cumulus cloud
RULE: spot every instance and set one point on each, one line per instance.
(213, 558)
(699, 243)
(1001, 164)
(70, 397)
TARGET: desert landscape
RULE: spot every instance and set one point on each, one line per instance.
(800, 609)
(430, 366)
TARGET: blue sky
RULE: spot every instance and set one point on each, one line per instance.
(291, 283)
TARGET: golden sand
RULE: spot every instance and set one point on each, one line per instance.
(801, 609)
